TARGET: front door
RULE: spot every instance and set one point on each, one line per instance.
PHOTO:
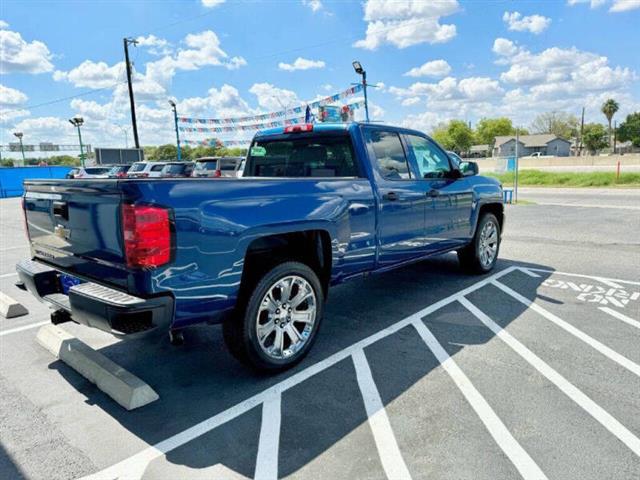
(448, 213)
(402, 198)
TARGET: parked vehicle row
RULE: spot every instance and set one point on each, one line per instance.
(212, 167)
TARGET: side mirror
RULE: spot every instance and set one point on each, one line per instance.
(469, 169)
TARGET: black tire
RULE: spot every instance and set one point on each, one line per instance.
(240, 333)
(470, 256)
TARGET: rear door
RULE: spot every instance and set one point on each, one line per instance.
(448, 211)
(402, 198)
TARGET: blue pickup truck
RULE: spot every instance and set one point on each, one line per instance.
(317, 205)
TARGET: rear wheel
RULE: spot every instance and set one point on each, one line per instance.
(280, 321)
(481, 255)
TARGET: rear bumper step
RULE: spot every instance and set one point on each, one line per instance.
(95, 305)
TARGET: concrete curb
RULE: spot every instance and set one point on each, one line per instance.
(9, 308)
(125, 388)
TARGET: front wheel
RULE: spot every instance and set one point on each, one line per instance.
(481, 255)
(280, 321)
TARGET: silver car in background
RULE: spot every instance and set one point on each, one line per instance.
(216, 167)
(146, 169)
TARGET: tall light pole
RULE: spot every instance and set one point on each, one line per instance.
(19, 135)
(175, 122)
(76, 122)
(134, 123)
(357, 66)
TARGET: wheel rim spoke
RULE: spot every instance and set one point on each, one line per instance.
(286, 317)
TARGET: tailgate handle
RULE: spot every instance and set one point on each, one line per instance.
(61, 209)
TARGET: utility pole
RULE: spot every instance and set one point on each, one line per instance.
(175, 122)
(581, 133)
(615, 135)
(515, 182)
(127, 41)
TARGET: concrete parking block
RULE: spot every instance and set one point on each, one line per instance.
(124, 387)
(9, 308)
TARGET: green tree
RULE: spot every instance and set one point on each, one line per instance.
(166, 152)
(561, 124)
(455, 135)
(594, 137)
(609, 108)
(490, 128)
(629, 130)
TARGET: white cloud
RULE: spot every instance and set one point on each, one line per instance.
(20, 56)
(10, 97)
(407, 102)
(617, 6)
(435, 68)
(155, 45)
(212, 3)
(532, 23)
(3, 25)
(403, 24)
(504, 47)
(93, 111)
(90, 74)
(272, 98)
(624, 5)
(470, 89)
(314, 5)
(223, 102)
(301, 64)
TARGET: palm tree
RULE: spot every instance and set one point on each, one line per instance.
(609, 108)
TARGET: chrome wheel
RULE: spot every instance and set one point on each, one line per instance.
(488, 248)
(286, 317)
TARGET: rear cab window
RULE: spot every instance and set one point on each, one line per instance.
(386, 148)
(302, 155)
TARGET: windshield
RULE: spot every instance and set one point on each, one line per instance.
(137, 167)
(212, 165)
(118, 169)
(173, 168)
(96, 170)
(307, 156)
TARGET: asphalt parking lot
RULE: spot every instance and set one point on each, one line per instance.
(531, 372)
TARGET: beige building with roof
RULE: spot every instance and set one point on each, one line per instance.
(545, 143)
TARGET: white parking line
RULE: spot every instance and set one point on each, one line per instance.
(386, 443)
(592, 408)
(133, 467)
(612, 282)
(269, 443)
(23, 328)
(509, 445)
(529, 272)
(5, 275)
(592, 342)
(620, 316)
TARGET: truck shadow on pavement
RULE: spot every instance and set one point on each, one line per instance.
(201, 379)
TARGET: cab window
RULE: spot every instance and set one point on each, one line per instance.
(389, 154)
(430, 160)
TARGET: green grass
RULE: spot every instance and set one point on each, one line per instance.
(569, 179)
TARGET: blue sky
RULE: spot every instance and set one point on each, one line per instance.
(467, 59)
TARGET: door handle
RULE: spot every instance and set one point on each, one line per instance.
(433, 193)
(391, 196)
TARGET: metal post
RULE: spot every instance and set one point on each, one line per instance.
(81, 149)
(127, 41)
(615, 135)
(515, 180)
(24, 160)
(175, 121)
(366, 103)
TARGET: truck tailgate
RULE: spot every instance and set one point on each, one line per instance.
(75, 225)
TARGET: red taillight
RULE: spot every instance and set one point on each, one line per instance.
(305, 127)
(147, 235)
(217, 173)
(144, 175)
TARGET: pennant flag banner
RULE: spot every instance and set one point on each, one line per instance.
(257, 126)
(252, 127)
(215, 142)
(281, 114)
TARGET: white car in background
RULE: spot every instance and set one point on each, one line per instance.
(146, 170)
(216, 167)
(89, 172)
